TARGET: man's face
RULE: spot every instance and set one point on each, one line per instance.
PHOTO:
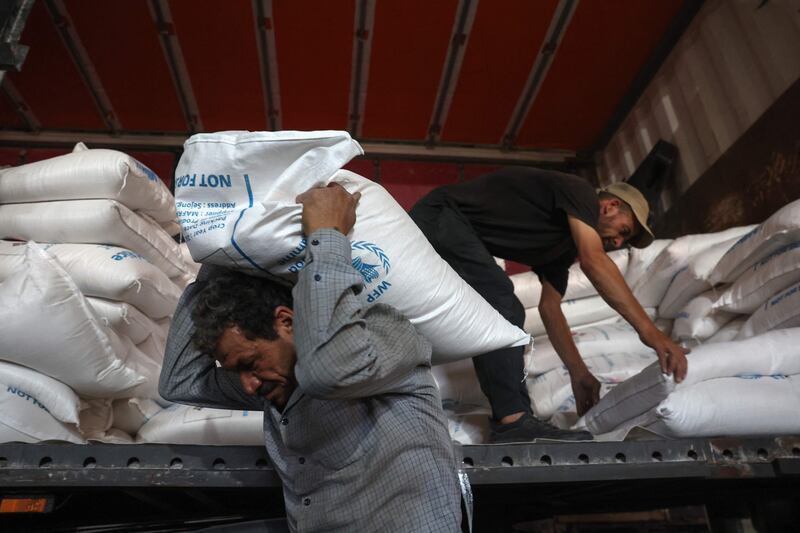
(616, 226)
(265, 367)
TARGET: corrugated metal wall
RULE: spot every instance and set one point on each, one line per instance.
(734, 60)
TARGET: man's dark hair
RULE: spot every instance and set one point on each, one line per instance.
(236, 299)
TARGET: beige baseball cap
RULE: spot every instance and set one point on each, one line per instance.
(634, 198)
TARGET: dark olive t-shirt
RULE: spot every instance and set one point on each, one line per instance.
(520, 214)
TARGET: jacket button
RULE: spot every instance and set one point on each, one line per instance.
(306, 501)
(317, 277)
(302, 460)
(285, 421)
(315, 242)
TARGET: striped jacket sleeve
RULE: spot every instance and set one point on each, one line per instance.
(339, 353)
(191, 377)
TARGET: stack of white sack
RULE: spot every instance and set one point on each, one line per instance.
(48, 326)
(611, 347)
(612, 352)
(738, 388)
(719, 288)
(677, 280)
(581, 304)
(235, 194)
(528, 287)
(763, 272)
(652, 285)
(192, 267)
(124, 290)
(641, 258)
(88, 174)
(93, 197)
(755, 277)
(35, 407)
(466, 408)
(692, 280)
(777, 231)
(184, 424)
(90, 306)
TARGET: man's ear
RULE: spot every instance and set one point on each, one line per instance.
(612, 206)
(284, 317)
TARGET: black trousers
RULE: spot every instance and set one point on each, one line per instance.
(501, 372)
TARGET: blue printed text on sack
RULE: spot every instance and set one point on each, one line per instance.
(378, 291)
(783, 296)
(152, 176)
(746, 237)
(294, 253)
(25, 395)
(204, 180)
(119, 256)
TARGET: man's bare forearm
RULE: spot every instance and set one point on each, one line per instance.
(585, 386)
(558, 331)
(607, 279)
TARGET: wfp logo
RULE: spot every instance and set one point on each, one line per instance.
(367, 271)
(369, 265)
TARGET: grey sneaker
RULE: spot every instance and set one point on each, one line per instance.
(529, 428)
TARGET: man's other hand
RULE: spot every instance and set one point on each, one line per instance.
(328, 207)
(586, 389)
(671, 356)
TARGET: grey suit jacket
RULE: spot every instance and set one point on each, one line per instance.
(362, 444)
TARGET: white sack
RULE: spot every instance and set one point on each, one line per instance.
(50, 394)
(96, 418)
(23, 418)
(776, 352)
(97, 421)
(153, 347)
(780, 311)
(552, 391)
(583, 311)
(89, 174)
(191, 267)
(92, 222)
(780, 229)
(641, 258)
(698, 320)
(468, 426)
(591, 341)
(128, 321)
(528, 288)
(46, 325)
(149, 389)
(756, 405)
(651, 287)
(458, 384)
(728, 332)
(172, 227)
(235, 193)
(629, 400)
(183, 424)
(692, 280)
(130, 414)
(106, 272)
(763, 280)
